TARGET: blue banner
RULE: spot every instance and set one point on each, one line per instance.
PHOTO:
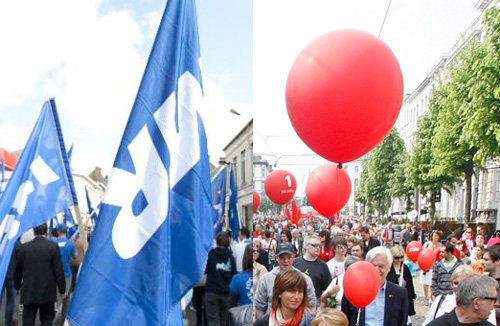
(39, 185)
(2, 179)
(155, 223)
(234, 219)
(219, 198)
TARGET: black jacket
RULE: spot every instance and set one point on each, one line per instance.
(372, 243)
(38, 270)
(410, 289)
(396, 307)
(221, 267)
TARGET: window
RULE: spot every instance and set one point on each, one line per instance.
(243, 167)
(356, 169)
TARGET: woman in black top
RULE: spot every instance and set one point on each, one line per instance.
(406, 280)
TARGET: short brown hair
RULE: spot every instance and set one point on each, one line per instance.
(331, 317)
(288, 280)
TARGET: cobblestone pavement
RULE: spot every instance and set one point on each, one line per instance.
(420, 308)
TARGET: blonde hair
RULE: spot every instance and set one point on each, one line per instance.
(330, 317)
(462, 271)
(397, 251)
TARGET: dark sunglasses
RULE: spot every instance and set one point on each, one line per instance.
(256, 250)
(490, 298)
(315, 245)
(399, 257)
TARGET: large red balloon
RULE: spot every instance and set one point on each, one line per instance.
(361, 283)
(256, 200)
(426, 259)
(413, 249)
(328, 189)
(280, 186)
(343, 94)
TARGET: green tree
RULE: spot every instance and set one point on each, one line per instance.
(360, 195)
(381, 164)
(399, 185)
(266, 204)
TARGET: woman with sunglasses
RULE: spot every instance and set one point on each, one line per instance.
(326, 252)
(400, 274)
(444, 304)
(289, 302)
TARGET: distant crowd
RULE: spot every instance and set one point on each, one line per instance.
(298, 273)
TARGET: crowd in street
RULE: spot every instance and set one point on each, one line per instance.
(42, 270)
(299, 270)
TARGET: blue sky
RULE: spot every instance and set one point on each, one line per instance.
(90, 56)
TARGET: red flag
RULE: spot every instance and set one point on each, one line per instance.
(288, 215)
(295, 213)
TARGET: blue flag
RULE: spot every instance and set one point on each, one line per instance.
(155, 223)
(219, 198)
(92, 212)
(234, 219)
(2, 179)
(39, 185)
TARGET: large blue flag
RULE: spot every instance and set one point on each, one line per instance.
(2, 179)
(155, 223)
(219, 198)
(234, 219)
(39, 186)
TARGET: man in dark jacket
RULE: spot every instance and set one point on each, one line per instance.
(367, 243)
(393, 298)
(221, 267)
(38, 271)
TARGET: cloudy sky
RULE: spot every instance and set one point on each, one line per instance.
(417, 31)
(90, 55)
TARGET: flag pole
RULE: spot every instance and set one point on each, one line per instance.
(81, 229)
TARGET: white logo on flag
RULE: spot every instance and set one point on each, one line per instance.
(130, 233)
(42, 172)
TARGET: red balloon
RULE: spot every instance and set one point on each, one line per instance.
(328, 189)
(426, 259)
(361, 283)
(413, 249)
(280, 186)
(256, 200)
(343, 94)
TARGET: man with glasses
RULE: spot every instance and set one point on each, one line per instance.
(476, 297)
(311, 265)
(336, 265)
(442, 270)
(284, 258)
(491, 262)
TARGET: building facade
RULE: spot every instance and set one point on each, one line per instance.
(239, 153)
(486, 184)
(261, 169)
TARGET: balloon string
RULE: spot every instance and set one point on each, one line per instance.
(359, 315)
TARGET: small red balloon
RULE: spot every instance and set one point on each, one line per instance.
(328, 189)
(280, 186)
(361, 283)
(344, 93)
(256, 200)
(426, 259)
(413, 249)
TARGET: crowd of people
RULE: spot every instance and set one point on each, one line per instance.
(298, 274)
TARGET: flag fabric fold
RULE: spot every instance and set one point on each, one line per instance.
(234, 219)
(39, 186)
(156, 220)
